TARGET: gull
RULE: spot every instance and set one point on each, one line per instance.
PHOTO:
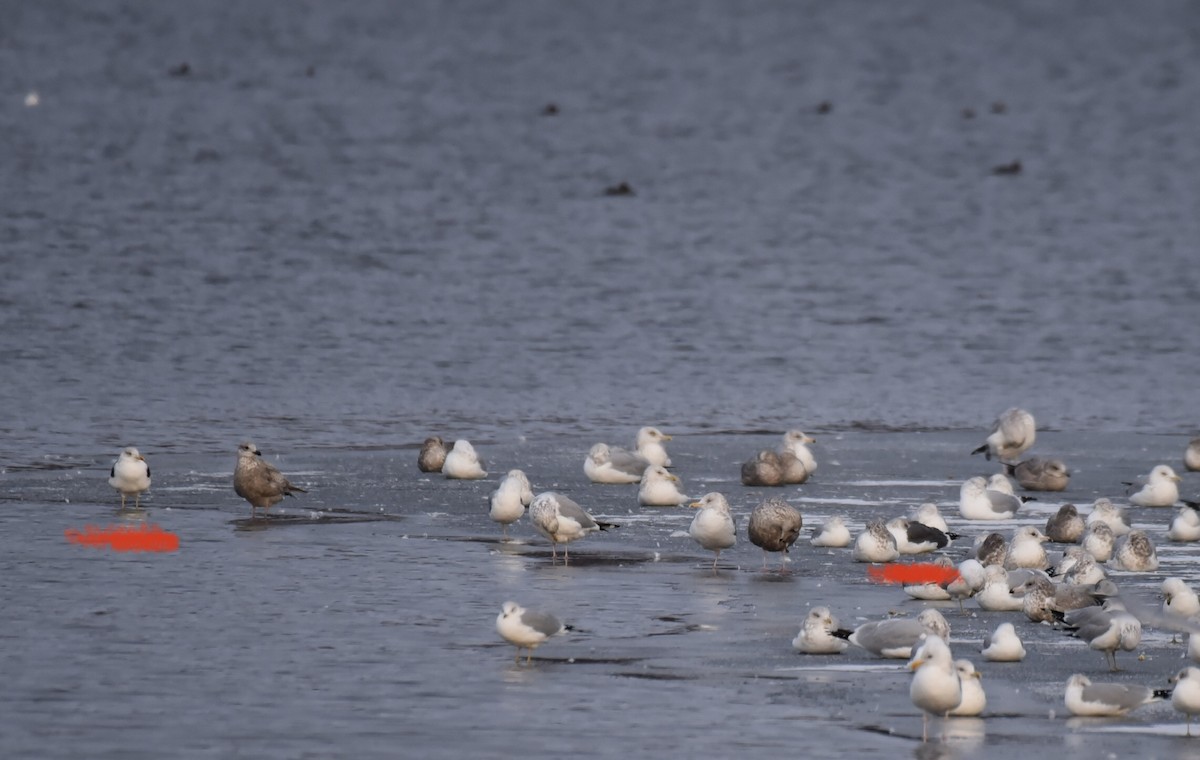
(764, 469)
(660, 488)
(1178, 599)
(928, 514)
(974, 700)
(1161, 489)
(795, 443)
(1098, 541)
(991, 549)
(561, 520)
(1039, 474)
(997, 594)
(527, 629)
(932, 591)
(792, 469)
(713, 527)
(509, 500)
(1103, 510)
(1079, 568)
(1191, 456)
(1186, 524)
(917, 538)
(130, 475)
(462, 463)
(1026, 550)
(977, 501)
(832, 533)
(1136, 553)
(970, 581)
(894, 638)
(433, 455)
(1106, 699)
(1106, 629)
(816, 634)
(614, 465)
(258, 481)
(1012, 434)
(1037, 602)
(875, 544)
(774, 526)
(1186, 695)
(650, 445)
(1065, 526)
(936, 688)
(1003, 645)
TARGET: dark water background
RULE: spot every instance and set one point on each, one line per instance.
(402, 242)
(350, 226)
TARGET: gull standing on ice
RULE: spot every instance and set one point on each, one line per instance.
(1039, 474)
(258, 481)
(774, 526)
(1185, 697)
(1106, 629)
(1012, 434)
(607, 465)
(433, 455)
(935, 688)
(509, 500)
(561, 520)
(1161, 489)
(1106, 699)
(462, 463)
(832, 533)
(1178, 599)
(527, 629)
(660, 488)
(1003, 645)
(130, 475)
(713, 526)
(816, 635)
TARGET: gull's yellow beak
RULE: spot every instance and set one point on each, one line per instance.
(695, 504)
(914, 664)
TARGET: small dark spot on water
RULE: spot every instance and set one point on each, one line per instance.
(656, 676)
(622, 189)
(310, 72)
(182, 70)
(206, 156)
(824, 107)
(999, 107)
(968, 113)
(550, 110)
(1008, 169)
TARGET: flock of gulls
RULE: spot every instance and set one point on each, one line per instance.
(1070, 590)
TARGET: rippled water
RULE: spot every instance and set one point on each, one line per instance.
(347, 227)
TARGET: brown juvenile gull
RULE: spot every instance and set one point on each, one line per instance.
(1191, 456)
(1012, 434)
(774, 526)
(433, 455)
(763, 470)
(561, 520)
(258, 481)
(992, 550)
(1136, 553)
(1039, 474)
(1065, 526)
(527, 629)
(130, 475)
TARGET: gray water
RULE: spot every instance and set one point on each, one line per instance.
(347, 228)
